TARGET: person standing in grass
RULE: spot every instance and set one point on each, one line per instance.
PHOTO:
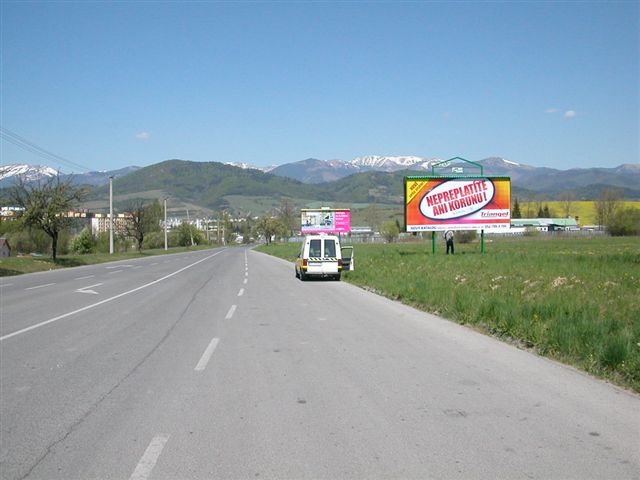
(448, 237)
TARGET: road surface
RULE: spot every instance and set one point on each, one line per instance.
(220, 364)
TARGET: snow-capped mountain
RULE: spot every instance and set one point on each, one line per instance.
(31, 173)
(313, 170)
(28, 172)
(385, 163)
(247, 166)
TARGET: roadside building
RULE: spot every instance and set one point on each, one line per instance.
(100, 223)
(546, 224)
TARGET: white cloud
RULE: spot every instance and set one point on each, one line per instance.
(143, 136)
(570, 114)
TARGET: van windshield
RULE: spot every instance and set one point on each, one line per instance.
(329, 248)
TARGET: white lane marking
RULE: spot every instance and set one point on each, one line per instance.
(156, 263)
(246, 274)
(40, 286)
(150, 457)
(202, 364)
(245, 281)
(241, 292)
(84, 278)
(65, 315)
(118, 266)
(230, 312)
(6, 285)
(86, 289)
(136, 268)
(115, 271)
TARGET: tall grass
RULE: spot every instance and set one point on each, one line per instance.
(576, 300)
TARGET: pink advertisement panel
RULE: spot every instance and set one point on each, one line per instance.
(325, 220)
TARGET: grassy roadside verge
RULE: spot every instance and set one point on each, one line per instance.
(28, 264)
(572, 299)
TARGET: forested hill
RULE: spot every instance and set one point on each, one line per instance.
(208, 183)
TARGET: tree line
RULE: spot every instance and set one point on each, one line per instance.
(44, 224)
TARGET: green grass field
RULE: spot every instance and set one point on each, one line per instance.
(576, 300)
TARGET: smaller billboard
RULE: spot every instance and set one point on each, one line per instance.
(325, 220)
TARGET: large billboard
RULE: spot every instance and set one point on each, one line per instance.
(436, 203)
(325, 220)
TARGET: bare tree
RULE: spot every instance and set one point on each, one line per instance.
(142, 219)
(567, 197)
(288, 216)
(46, 204)
(606, 205)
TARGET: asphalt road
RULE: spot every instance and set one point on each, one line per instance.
(220, 364)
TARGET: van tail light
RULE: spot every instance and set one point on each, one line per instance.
(305, 263)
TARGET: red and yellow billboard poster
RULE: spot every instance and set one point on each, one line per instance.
(457, 203)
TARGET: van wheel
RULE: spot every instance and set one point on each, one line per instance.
(336, 277)
(297, 275)
(302, 277)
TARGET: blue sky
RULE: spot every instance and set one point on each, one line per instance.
(112, 84)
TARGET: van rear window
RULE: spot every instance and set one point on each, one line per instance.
(314, 248)
(329, 248)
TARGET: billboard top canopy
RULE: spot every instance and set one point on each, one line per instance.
(418, 177)
(458, 166)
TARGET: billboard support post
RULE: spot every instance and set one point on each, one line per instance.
(433, 242)
(482, 241)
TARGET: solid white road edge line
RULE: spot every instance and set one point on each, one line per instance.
(230, 312)
(202, 364)
(150, 457)
(106, 300)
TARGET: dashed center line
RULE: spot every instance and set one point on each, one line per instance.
(84, 278)
(230, 313)
(150, 457)
(202, 364)
(40, 286)
(241, 292)
(245, 281)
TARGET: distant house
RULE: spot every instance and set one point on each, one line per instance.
(546, 224)
(5, 249)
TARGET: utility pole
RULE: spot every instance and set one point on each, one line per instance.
(111, 215)
(190, 232)
(166, 246)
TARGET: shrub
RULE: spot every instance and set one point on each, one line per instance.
(625, 222)
(390, 231)
(466, 236)
(83, 243)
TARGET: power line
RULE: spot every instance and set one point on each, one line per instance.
(31, 147)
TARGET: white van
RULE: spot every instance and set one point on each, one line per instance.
(320, 255)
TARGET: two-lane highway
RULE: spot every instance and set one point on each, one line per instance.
(220, 364)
